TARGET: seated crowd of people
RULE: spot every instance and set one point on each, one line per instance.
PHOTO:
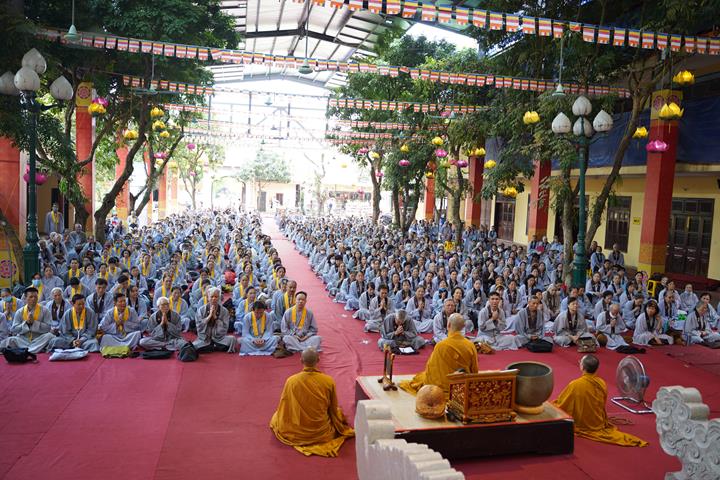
(216, 274)
(401, 286)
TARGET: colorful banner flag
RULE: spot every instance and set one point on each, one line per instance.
(496, 21)
(444, 14)
(558, 29)
(588, 33)
(355, 5)
(544, 27)
(633, 38)
(603, 36)
(462, 15)
(375, 6)
(512, 23)
(319, 3)
(714, 46)
(392, 7)
(648, 40)
(575, 26)
(528, 25)
(619, 37)
(428, 13)
(99, 42)
(133, 46)
(111, 42)
(479, 18)
(662, 41)
(701, 44)
(689, 44)
(337, 3)
(122, 44)
(675, 42)
(409, 9)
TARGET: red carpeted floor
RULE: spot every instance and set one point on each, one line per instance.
(131, 418)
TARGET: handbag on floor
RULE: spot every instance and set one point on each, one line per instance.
(117, 351)
(539, 346)
(19, 355)
(156, 354)
(188, 353)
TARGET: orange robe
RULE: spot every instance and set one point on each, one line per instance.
(584, 399)
(308, 417)
(450, 355)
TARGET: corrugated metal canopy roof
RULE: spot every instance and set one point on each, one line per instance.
(277, 27)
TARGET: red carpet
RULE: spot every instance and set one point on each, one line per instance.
(130, 418)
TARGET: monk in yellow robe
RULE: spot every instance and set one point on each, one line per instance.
(308, 417)
(450, 355)
(584, 399)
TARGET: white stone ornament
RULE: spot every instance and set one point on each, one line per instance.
(685, 432)
(381, 455)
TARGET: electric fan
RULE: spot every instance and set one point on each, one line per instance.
(632, 381)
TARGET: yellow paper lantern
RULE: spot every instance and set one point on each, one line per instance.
(158, 125)
(531, 117)
(510, 192)
(164, 134)
(156, 112)
(374, 155)
(490, 164)
(684, 77)
(437, 141)
(479, 152)
(671, 111)
(130, 135)
(404, 149)
(343, 165)
(429, 175)
(640, 132)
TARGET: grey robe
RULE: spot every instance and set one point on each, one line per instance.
(214, 333)
(409, 337)
(35, 337)
(86, 335)
(168, 338)
(290, 332)
(375, 320)
(490, 331)
(130, 336)
(563, 330)
(694, 326)
(614, 339)
(526, 329)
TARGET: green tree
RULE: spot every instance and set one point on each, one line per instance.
(193, 162)
(266, 167)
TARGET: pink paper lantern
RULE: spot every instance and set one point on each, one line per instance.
(363, 151)
(101, 100)
(404, 162)
(440, 153)
(462, 163)
(379, 174)
(40, 177)
(656, 146)
(445, 113)
(191, 146)
(161, 155)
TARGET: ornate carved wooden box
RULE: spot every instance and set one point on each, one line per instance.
(484, 397)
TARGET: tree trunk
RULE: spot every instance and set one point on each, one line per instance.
(397, 220)
(411, 211)
(81, 215)
(568, 209)
(375, 197)
(457, 196)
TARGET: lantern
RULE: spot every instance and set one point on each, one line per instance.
(40, 177)
(684, 78)
(164, 134)
(343, 165)
(404, 162)
(379, 174)
(429, 175)
(404, 149)
(671, 111)
(96, 109)
(479, 152)
(531, 117)
(158, 125)
(510, 192)
(490, 164)
(640, 132)
(363, 150)
(130, 135)
(375, 155)
(462, 163)
(440, 153)
(656, 146)
(156, 112)
(437, 141)
(191, 146)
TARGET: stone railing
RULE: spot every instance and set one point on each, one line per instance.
(381, 455)
(685, 432)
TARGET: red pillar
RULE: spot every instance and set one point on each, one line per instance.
(429, 199)
(84, 133)
(123, 199)
(539, 200)
(659, 180)
(10, 182)
(473, 206)
(162, 195)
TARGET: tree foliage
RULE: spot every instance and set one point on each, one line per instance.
(193, 162)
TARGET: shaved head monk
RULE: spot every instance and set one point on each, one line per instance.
(308, 417)
(450, 355)
(584, 399)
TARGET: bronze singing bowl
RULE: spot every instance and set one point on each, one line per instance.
(534, 386)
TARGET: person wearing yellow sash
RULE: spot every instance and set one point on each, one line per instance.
(257, 332)
(163, 290)
(584, 399)
(308, 417)
(73, 271)
(212, 321)
(240, 290)
(286, 300)
(245, 307)
(31, 325)
(180, 306)
(78, 327)
(450, 355)
(165, 330)
(100, 301)
(298, 327)
(54, 220)
(120, 325)
(10, 304)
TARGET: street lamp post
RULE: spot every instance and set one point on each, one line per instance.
(585, 136)
(26, 83)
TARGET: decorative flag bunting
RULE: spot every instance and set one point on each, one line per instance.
(528, 25)
(715, 46)
(428, 13)
(575, 26)
(689, 44)
(701, 44)
(648, 40)
(479, 18)
(662, 41)
(588, 33)
(444, 14)
(558, 29)
(375, 6)
(462, 15)
(619, 37)
(496, 21)
(603, 36)
(355, 5)
(409, 9)
(512, 23)
(634, 38)
(544, 27)
(675, 42)
(392, 7)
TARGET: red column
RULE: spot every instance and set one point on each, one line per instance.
(429, 199)
(84, 133)
(10, 182)
(539, 200)
(162, 195)
(473, 206)
(123, 199)
(659, 182)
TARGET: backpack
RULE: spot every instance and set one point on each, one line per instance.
(19, 355)
(156, 354)
(120, 351)
(539, 346)
(188, 353)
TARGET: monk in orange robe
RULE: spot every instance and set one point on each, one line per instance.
(584, 399)
(308, 417)
(450, 355)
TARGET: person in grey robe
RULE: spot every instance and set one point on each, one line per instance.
(257, 332)
(419, 308)
(76, 332)
(570, 326)
(363, 312)
(4, 328)
(649, 327)
(165, 329)
(440, 330)
(530, 323)
(611, 325)
(125, 331)
(212, 321)
(697, 329)
(380, 307)
(54, 220)
(492, 328)
(100, 301)
(398, 330)
(31, 326)
(298, 333)
(57, 306)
